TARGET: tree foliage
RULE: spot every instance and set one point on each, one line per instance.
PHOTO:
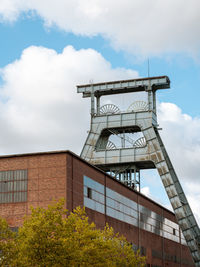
(52, 237)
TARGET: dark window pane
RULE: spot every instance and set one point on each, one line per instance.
(13, 186)
(89, 193)
(17, 197)
(19, 185)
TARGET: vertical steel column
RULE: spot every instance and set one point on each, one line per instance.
(150, 98)
(92, 101)
(98, 105)
(154, 101)
(139, 179)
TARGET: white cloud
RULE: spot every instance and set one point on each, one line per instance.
(193, 195)
(181, 137)
(40, 108)
(138, 26)
(146, 191)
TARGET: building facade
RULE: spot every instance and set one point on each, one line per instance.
(37, 179)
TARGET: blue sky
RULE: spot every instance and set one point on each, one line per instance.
(40, 109)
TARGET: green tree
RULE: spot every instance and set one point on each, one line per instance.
(52, 237)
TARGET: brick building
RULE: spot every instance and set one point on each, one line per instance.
(38, 178)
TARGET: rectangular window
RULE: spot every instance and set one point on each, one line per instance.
(13, 186)
(115, 205)
(89, 192)
(142, 251)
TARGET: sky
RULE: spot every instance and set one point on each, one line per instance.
(49, 47)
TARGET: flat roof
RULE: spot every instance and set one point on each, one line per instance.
(89, 164)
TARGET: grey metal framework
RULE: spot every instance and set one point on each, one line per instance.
(147, 152)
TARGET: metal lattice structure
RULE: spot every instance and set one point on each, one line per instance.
(110, 145)
(141, 142)
(109, 109)
(147, 152)
(138, 106)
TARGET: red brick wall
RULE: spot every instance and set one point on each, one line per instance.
(46, 182)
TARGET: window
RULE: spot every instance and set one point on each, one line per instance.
(13, 186)
(142, 251)
(109, 202)
(89, 192)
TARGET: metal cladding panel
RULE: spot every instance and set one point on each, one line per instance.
(119, 156)
(113, 118)
(99, 119)
(124, 116)
(128, 116)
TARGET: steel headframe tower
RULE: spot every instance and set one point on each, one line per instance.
(147, 152)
